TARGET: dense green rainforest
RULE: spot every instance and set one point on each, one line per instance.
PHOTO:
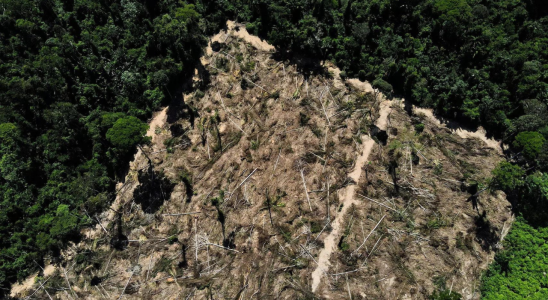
(78, 78)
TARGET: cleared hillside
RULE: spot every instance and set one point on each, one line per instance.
(269, 171)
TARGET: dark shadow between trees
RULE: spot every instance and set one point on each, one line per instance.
(153, 191)
(486, 233)
(378, 134)
(119, 241)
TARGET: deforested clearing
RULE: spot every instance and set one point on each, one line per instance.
(251, 168)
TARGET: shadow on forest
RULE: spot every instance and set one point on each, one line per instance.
(229, 241)
(306, 65)
(178, 107)
(188, 189)
(183, 264)
(153, 191)
(485, 233)
(380, 135)
(119, 241)
(122, 169)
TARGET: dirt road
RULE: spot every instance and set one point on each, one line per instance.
(464, 133)
(331, 240)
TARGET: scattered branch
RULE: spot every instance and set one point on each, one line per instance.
(36, 290)
(125, 287)
(222, 247)
(365, 240)
(306, 190)
(183, 214)
(390, 208)
(231, 194)
(276, 164)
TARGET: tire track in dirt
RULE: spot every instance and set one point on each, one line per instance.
(330, 242)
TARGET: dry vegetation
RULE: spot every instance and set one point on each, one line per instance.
(243, 183)
(439, 225)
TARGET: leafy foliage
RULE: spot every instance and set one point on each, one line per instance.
(445, 295)
(127, 132)
(530, 143)
(383, 86)
(77, 80)
(528, 193)
(519, 271)
(481, 61)
(507, 177)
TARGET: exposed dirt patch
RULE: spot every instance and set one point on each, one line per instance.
(21, 289)
(236, 30)
(156, 124)
(125, 190)
(360, 85)
(253, 174)
(239, 31)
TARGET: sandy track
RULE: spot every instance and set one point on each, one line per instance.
(330, 242)
(158, 121)
(462, 132)
(19, 288)
(239, 31)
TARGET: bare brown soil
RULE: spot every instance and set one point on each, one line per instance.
(158, 121)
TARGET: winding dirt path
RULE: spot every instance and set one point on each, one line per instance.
(239, 31)
(462, 132)
(330, 242)
(159, 120)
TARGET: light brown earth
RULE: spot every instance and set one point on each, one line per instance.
(361, 85)
(430, 228)
(28, 284)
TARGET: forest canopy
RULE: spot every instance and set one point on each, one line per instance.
(78, 79)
